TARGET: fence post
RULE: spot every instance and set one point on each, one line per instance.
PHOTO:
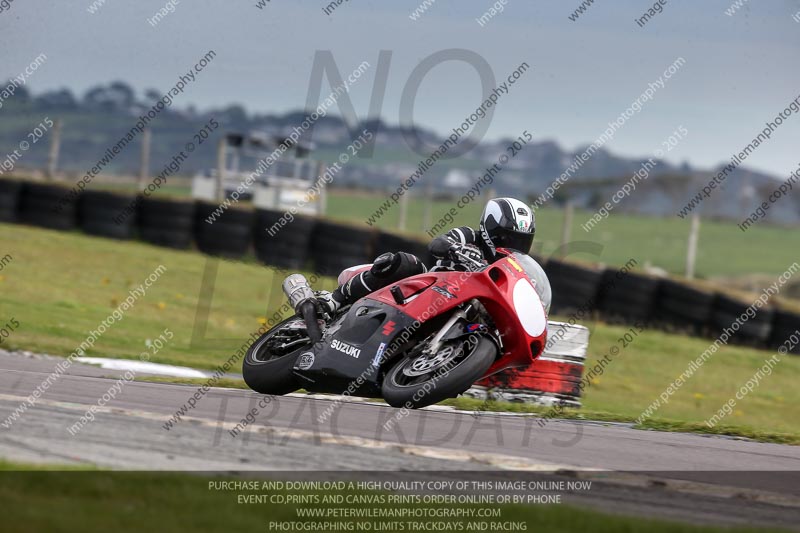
(221, 149)
(322, 201)
(401, 222)
(55, 146)
(691, 249)
(566, 229)
(427, 213)
(144, 166)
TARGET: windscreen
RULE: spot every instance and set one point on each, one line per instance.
(535, 271)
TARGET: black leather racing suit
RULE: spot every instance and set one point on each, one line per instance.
(392, 267)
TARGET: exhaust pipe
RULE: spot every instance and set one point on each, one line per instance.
(302, 300)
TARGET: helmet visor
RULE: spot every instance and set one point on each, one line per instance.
(515, 240)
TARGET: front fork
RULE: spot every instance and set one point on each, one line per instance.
(448, 332)
(436, 342)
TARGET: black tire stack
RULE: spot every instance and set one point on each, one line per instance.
(683, 307)
(288, 245)
(388, 242)
(627, 297)
(229, 235)
(167, 223)
(9, 199)
(574, 287)
(97, 211)
(785, 324)
(335, 247)
(753, 331)
(328, 248)
(48, 206)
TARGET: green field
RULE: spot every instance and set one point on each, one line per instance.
(724, 250)
(59, 286)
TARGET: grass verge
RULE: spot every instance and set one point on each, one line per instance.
(59, 286)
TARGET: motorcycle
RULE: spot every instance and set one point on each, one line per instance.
(414, 343)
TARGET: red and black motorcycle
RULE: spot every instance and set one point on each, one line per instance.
(414, 343)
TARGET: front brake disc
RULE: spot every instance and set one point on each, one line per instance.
(427, 363)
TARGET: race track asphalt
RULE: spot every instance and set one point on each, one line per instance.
(692, 477)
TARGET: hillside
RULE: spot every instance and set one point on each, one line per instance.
(95, 121)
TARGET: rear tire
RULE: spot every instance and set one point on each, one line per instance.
(439, 386)
(270, 373)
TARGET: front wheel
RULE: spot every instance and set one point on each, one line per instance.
(267, 366)
(421, 379)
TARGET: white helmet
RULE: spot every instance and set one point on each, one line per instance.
(507, 223)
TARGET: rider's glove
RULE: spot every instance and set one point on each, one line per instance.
(327, 303)
(458, 251)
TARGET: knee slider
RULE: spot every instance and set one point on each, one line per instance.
(385, 265)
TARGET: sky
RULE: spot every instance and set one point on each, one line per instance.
(740, 71)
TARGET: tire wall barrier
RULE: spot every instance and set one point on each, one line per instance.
(47, 206)
(9, 200)
(229, 235)
(282, 245)
(388, 242)
(683, 308)
(755, 331)
(627, 298)
(335, 247)
(784, 325)
(304, 243)
(99, 214)
(167, 223)
(574, 287)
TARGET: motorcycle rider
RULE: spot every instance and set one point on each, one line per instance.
(505, 223)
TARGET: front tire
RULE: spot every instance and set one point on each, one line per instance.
(400, 389)
(268, 369)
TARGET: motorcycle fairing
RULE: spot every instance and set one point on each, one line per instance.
(348, 356)
(344, 360)
(522, 328)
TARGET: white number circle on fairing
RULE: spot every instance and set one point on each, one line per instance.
(529, 308)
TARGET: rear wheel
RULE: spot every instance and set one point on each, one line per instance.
(421, 379)
(267, 366)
